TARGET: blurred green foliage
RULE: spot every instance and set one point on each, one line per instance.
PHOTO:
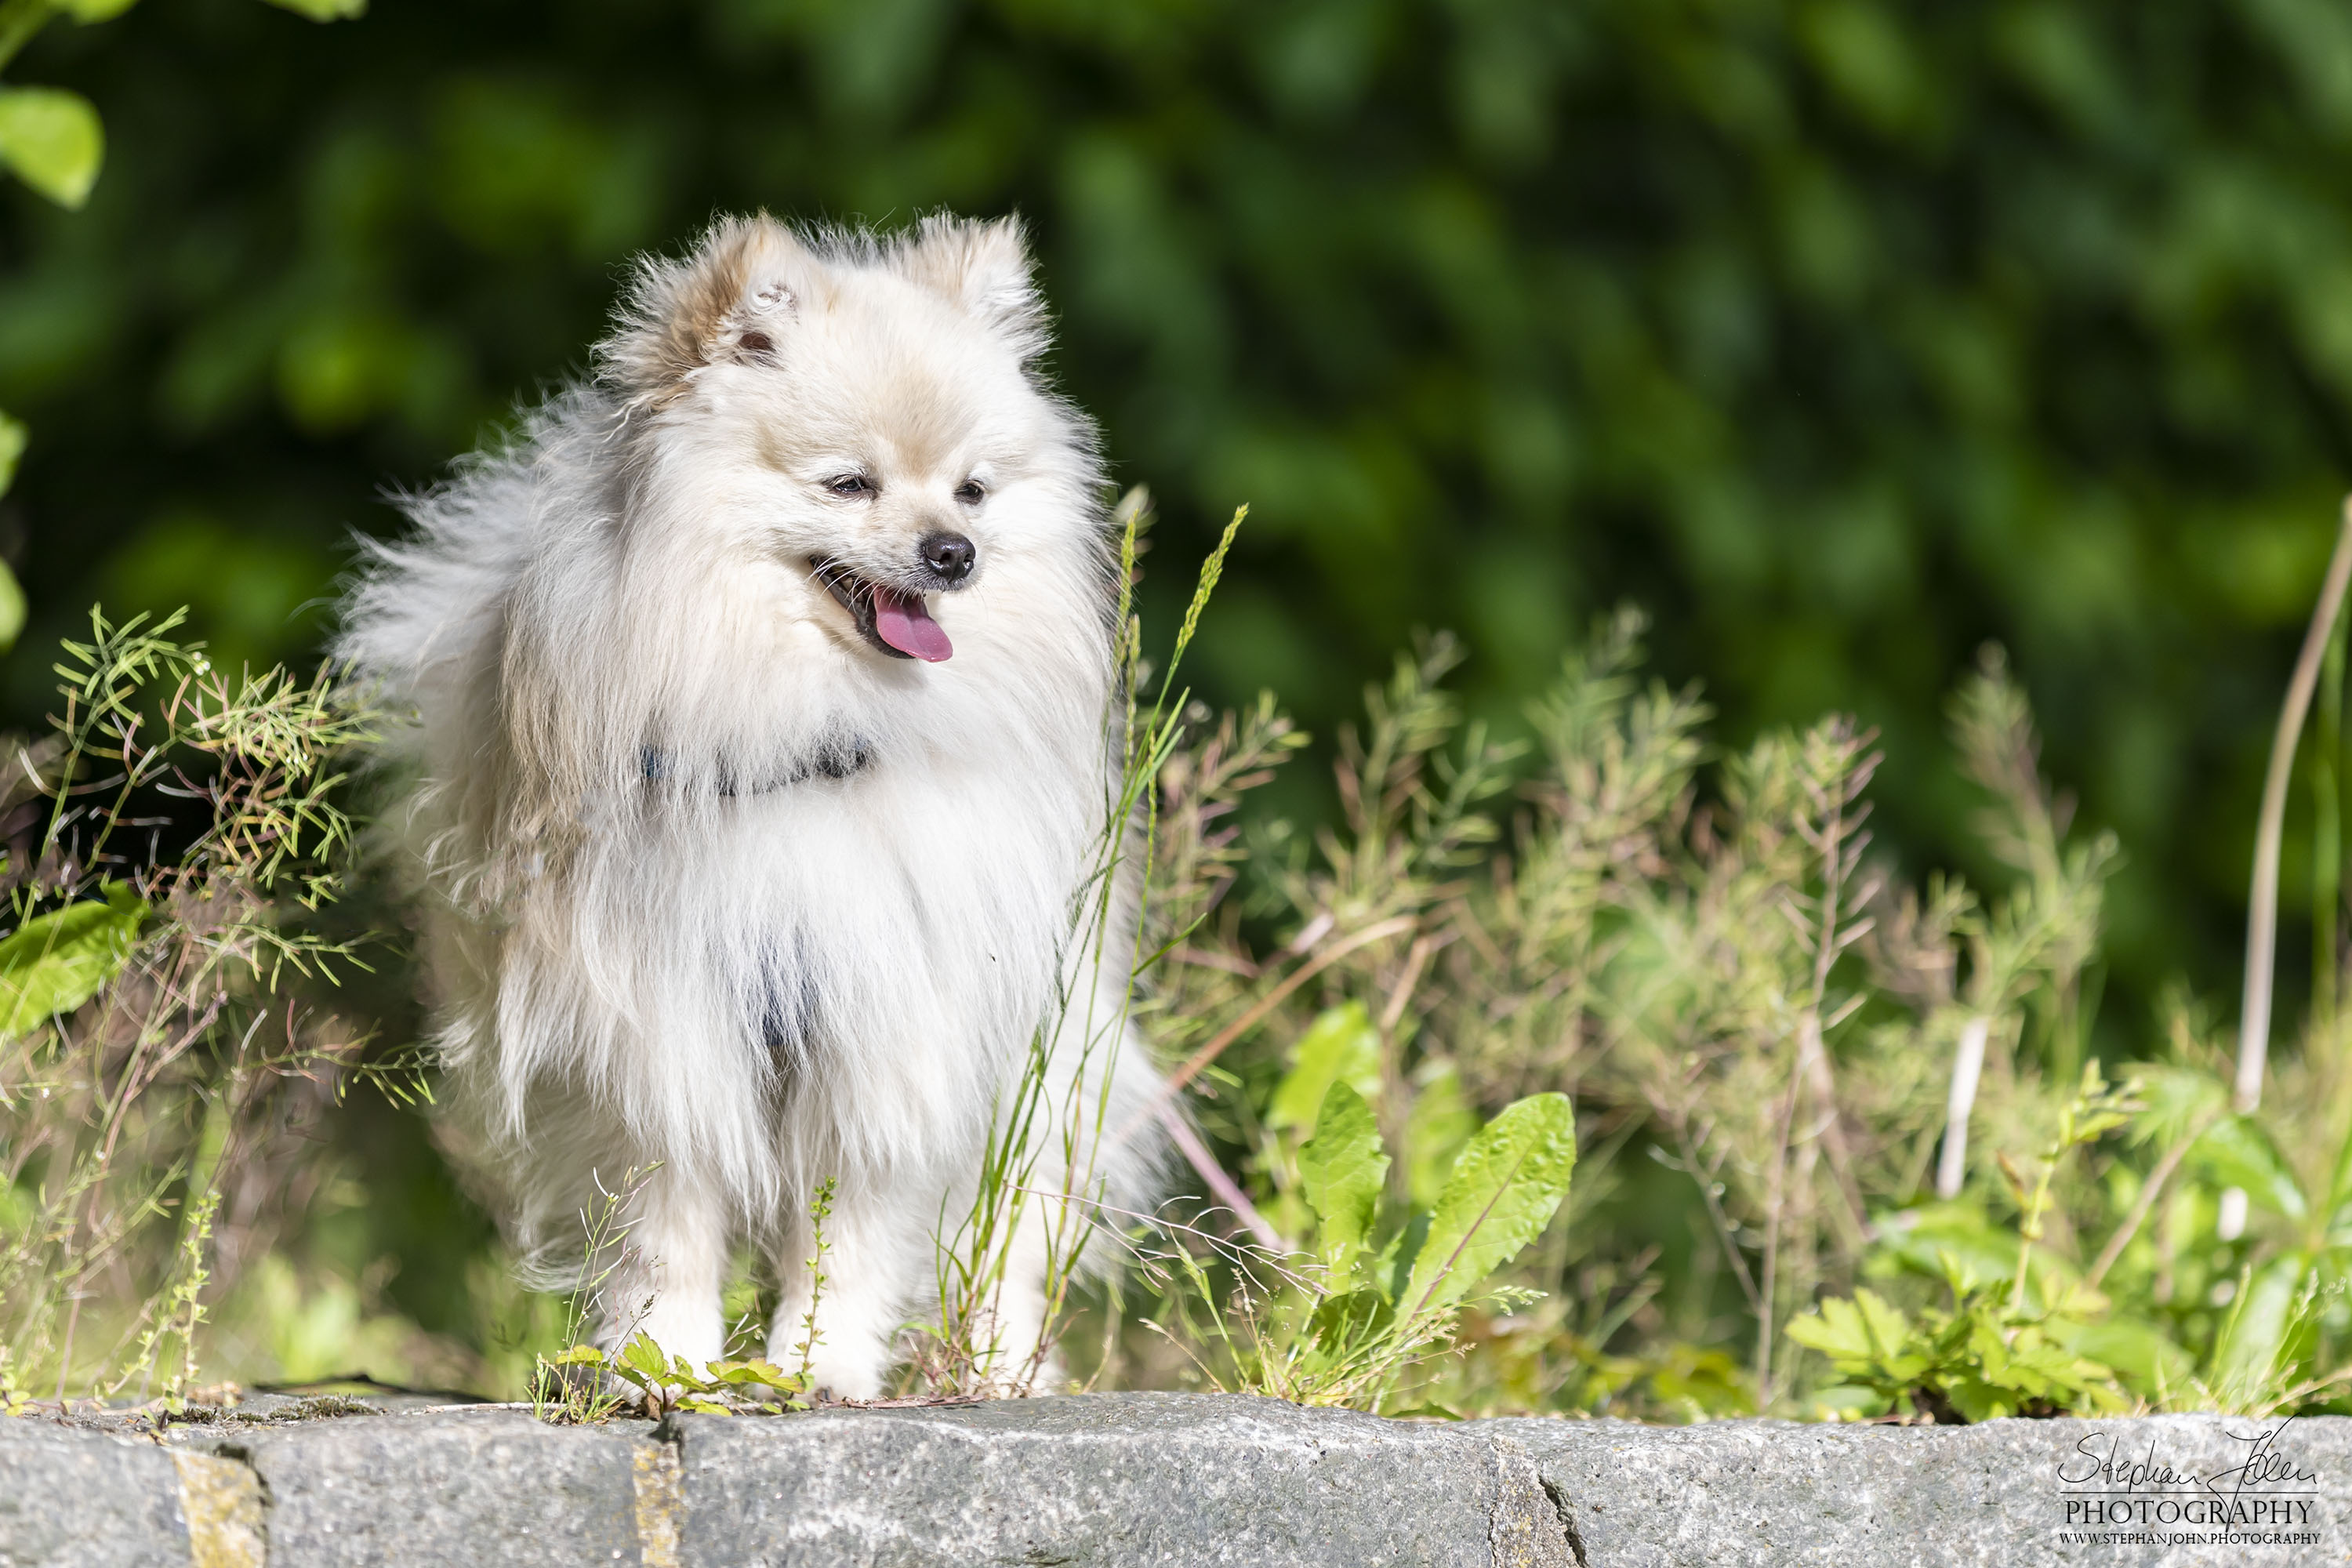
(1843, 335)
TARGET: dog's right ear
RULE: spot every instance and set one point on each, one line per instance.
(726, 302)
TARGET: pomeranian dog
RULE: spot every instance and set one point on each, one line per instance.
(761, 694)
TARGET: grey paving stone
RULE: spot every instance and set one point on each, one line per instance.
(1771, 1493)
(78, 1498)
(1099, 1479)
(488, 1487)
(1174, 1480)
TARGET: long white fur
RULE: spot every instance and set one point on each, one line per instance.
(613, 954)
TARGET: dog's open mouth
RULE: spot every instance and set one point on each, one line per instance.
(893, 621)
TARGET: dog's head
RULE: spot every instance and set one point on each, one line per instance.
(854, 423)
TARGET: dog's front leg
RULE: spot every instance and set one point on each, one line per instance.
(672, 1269)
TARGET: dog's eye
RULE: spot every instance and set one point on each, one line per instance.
(970, 492)
(850, 485)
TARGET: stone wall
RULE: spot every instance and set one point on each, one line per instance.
(1174, 1480)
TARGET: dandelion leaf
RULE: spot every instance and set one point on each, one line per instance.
(1344, 1327)
(1340, 1047)
(1505, 1188)
(1341, 1169)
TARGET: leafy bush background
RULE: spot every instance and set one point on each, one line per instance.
(1844, 336)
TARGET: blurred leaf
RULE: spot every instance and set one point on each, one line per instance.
(57, 962)
(2149, 1363)
(1954, 1241)
(86, 12)
(1339, 1047)
(2256, 1334)
(1847, 1401)
(1504, 1191)
(12, 436)
(1861, 1334)
(53, 140)
(1341, 1169)
(324, 10)
(1440, 1124)
(2236, 1152)
(2174, 1100)
(11, 608)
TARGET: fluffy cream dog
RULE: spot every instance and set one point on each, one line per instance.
(759, 698)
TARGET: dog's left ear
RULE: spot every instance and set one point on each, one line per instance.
(985, 268)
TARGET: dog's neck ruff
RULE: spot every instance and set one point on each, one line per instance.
(834, 760)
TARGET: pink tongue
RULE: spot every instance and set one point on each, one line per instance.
(900, 620)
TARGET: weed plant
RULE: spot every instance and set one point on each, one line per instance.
(159, 1082)
(1791, 1076)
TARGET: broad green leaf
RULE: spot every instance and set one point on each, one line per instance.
(324, 10)
(1341, 1169)
(53, 140)
(1340, 1047)
(57, 962)
(86, 12)
(578, 1355)
(1439, 1125)
(12, 448)
(2235, 1152)
(703, 1406)
(1504, 1190)
(642, 1361)
(762, 1373)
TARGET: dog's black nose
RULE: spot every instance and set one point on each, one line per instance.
(948, 556)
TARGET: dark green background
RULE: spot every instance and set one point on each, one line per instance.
(1843, 335)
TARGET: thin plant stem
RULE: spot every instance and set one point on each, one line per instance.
(2148, 1192)
(2328, 828)
(1396, 926)
(1776, 1199)
(1722, 1222)
(2262, 911)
